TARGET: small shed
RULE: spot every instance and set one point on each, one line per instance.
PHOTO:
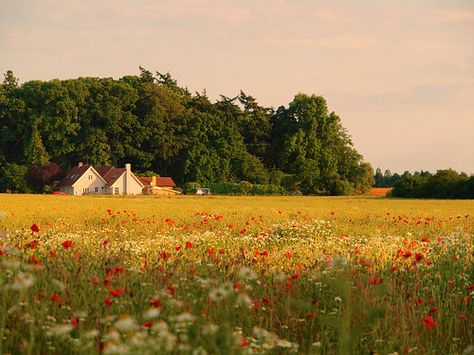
(203, 191)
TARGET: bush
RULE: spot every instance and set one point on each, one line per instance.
(12, 178)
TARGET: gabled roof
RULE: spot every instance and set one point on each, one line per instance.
(73, 175)
(164, 181)
(108, 174)
(112, 175)
(102, 170)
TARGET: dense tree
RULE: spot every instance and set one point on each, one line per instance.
(35, 152)
(153, 123)
(444, 184)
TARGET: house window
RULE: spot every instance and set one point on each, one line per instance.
(90, 177)
(96, 189)
(116, 191)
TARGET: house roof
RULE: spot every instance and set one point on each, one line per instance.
(73, 175)
(109, 174)
(112, 174)
(164, 181)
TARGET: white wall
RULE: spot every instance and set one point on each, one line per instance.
(85, 183)
(127, 185)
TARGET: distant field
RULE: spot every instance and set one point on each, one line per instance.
(235, 275)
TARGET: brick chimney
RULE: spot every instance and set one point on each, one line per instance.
(80, 164)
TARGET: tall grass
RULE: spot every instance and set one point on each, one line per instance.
(235, 275)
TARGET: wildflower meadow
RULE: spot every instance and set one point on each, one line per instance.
(235, 275)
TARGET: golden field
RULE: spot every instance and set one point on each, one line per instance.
(230, 275)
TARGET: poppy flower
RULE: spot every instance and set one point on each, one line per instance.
(116, 293)
(67, 244)
(171, 290)
(108, 302)
(295, 276)
(178, 248)
(147, 324)
(74, 322)
(33, 244)
(56, 299)
(418, 257)
(189, 245)
(429, 322)
(156, 302)
(35, 228)
(375, 280)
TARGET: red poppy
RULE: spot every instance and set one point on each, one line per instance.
(178, 248)
(375, 280)
(116, 293)
(56, 299)
(189, 245)
(34, 261)
(429, 322)
(147, 324)
(35, 228)
(33, 244)
(171, 290)
(74, 322)
(108, 302)
(156, 302)
(106, 242)
(470, 288)
(67, 244)
(164, 255)
(418, 257)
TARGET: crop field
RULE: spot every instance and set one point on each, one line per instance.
(235, 275)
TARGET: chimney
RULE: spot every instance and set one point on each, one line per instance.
(128, 171)
(153, 180)
(80, 164)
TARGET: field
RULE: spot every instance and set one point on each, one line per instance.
(231, 275)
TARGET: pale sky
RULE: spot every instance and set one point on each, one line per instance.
(400, 74)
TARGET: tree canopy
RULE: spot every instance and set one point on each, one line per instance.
(150, 121)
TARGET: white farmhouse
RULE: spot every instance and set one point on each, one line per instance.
(85, 179)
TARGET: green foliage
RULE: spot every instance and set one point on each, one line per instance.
(35, 152)
(444, 184)
(150, 121)
(12, 178)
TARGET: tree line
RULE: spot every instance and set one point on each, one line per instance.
(150, 121)
(444, 184)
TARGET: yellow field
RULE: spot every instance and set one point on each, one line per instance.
(235, 275)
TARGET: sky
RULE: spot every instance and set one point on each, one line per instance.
(400, 74)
